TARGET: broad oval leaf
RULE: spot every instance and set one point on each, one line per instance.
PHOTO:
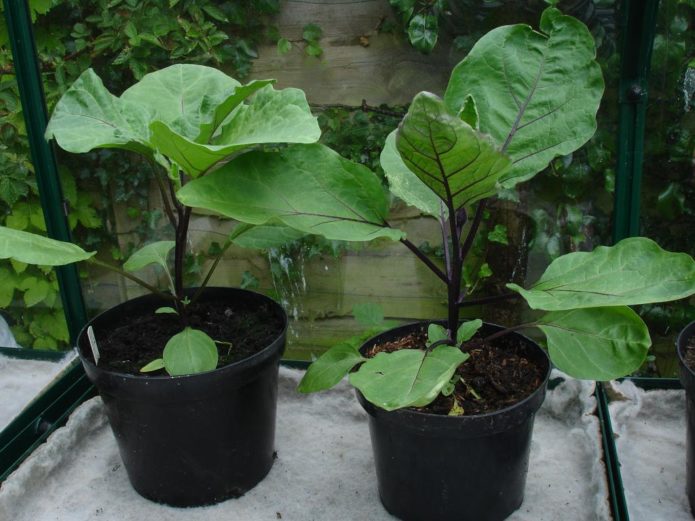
(264, 236)
(183, 96)
(405, 378)
(330, 368)
(436, 333)
(537, 94)
(307, 187)
(153, 253)
(88, 116)
(272, 116)
(634, 271)
(34, 249)
(405, 184)
(467, 330)
(190, 351)
(596, 343)
(455, 161)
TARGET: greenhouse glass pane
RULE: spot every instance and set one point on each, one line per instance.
(668, 185)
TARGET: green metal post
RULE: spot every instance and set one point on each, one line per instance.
(35, 115)
(637, 38)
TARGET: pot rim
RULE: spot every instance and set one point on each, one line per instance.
(239, 364)
(407, 413)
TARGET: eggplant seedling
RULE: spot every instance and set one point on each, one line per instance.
(519, 99)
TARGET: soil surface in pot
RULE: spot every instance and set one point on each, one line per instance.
(494, 377)
(136, 341)
(689, 355)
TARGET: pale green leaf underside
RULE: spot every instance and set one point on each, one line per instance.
(190, 351)
(272, 116)
(435, 333)
(455, 161)
(35, 249)
(88, 116)
(596, 343)
(182, 96)
(405, 184)
(409, 377)
(264, 236)
(538, 93)
(153, 253)
(307, 187)
(330, 368)
(634, 271)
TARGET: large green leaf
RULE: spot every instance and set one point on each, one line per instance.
(34, 249)
(153, 253)
(405, 184)
(454, 160)
(409, 377)
(307, 187)
(272, 116)
(330, 368)
(634, 271)
(537, 94)
(190, 351)
(264, 236)
(183, 96)
(88, 116)
(596, 343)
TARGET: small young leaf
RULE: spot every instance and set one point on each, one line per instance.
(435, 333)
(499, 234)
(467, 330)
(165, 310)
(190, 351)
(153, 253)
(423, 30)
(330, 368)
(409, 377)
(284, 46)
(312, 33)
(154, 365)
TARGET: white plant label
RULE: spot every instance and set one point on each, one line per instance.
(93, 344)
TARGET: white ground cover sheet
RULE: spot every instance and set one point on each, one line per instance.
(324, 470)
(22, 380)
(650, 441)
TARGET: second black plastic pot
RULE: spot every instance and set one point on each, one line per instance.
(197, 439)
(467, 468)
(687, 377)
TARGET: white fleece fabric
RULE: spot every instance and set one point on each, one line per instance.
(324, 470)
(650, 440)
(23, 380)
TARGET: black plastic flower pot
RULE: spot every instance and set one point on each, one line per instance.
(464, 468)
(197, 439)
(687, 377)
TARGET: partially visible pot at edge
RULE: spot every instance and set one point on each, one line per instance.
(454, 468)
(687, 377)
(196, 439)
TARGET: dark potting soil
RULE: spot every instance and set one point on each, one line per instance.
(494, 377)
(136, 341)
(689, 354)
